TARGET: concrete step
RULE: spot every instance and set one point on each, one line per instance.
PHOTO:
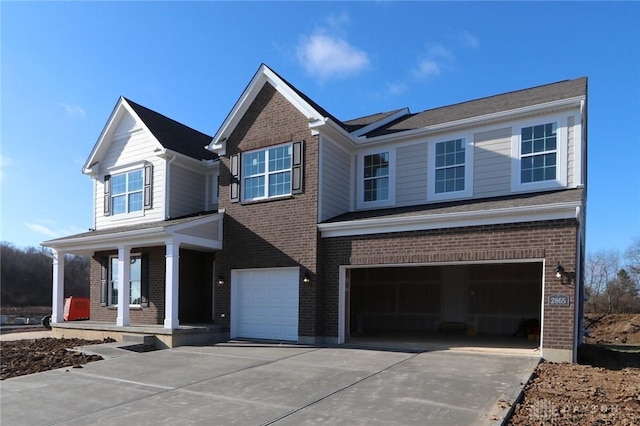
(143, 342)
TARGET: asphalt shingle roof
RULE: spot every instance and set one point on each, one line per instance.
(520, 200)
(173, 135)
(492, 104)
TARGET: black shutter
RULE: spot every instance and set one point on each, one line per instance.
(107, 195)
(148, 178)
(144, 279)
(104, 281)
(234, 169)
(296, 168)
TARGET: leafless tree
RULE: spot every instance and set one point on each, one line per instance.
(600, 269)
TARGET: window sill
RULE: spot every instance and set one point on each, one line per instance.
(266, 200)
(131, 307)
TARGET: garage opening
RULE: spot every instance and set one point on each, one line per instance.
(469, 302)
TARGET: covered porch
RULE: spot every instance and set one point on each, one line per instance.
(120, 293)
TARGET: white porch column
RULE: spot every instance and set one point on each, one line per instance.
(124, 278)
(171, 286)
(57, 305)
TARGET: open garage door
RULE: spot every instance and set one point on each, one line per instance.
(264, 303)
(497, 299)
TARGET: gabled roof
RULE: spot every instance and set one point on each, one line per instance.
(562, 94)
(315, 114)
(567, 89)
(167, 133)
(174, 135)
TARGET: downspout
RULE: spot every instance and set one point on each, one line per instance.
(167, 196)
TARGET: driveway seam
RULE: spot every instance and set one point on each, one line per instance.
(309, 404)
(166, 389)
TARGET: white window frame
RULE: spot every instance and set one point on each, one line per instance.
(361, 204)
(111, 284)
(468, 168)
(561, 153)
(125, 170)
(267, 172)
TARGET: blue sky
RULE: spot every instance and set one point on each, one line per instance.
(65, 64)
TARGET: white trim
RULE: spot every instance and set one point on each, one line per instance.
(263, 76)
(108, 134)
(342, 271)
(109, 302)
(569, 210)
(267, 173)
(158, 235)
(479, 119)
(360, 203)
(468, 169)
(368, 128)
(561, 154)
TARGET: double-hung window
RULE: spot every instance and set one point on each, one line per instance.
(127, 192)
(138, 276)
(539, 154)
(267, 173)
(376, 177)
(376, 173)
(450, 168)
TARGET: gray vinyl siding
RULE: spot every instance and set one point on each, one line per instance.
(492, 163)
(130, 144)
(187, 191)
(335, 191)
(411, 174)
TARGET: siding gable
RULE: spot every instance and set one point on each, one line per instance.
(129, 146)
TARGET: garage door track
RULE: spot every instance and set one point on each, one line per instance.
(248, 383)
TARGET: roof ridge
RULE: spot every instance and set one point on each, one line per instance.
(504, 93)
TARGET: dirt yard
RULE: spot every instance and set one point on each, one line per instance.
(603, 389)
(22, 357)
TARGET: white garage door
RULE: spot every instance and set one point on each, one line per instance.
(264, 303)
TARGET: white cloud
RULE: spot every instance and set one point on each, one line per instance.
(337, 21)
(325, 56)
(436, 58)
(41, 229)
(426, 68)
(73, 110)
(326, 53)
(49, 229)
(468, 39)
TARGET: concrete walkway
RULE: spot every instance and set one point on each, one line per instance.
(21, 335)
(261, 384)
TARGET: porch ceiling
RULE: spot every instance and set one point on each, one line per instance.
(200, 232)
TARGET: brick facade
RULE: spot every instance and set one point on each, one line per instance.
(552, 241)
(272, 233)
(195, 285)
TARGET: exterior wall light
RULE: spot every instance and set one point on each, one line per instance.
(306, 279)
(220, 280)
(564, 275)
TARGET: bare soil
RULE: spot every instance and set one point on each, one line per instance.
(602, 389)
(22, 357)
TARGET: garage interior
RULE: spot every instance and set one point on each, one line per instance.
(488, 304)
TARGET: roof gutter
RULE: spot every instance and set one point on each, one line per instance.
(483, 119)
(569, 210)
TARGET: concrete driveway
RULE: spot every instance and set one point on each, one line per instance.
(262, 384)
